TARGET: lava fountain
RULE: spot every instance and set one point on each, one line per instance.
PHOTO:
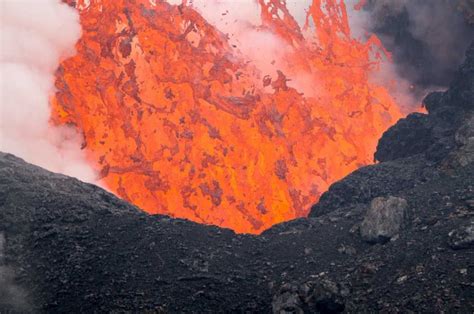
(178, 121)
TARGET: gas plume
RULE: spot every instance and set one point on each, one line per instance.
(427, 38)
(35, 36)
(239, 21)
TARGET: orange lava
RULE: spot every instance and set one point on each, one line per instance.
(177, 121)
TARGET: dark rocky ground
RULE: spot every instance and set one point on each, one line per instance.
(397, 236)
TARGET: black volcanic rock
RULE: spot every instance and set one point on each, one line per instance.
(67, 246)
(412, 151)
(383, 179)
(463, 237)
(384, 219)
(72, 247)
(433, 134)
(411, 135)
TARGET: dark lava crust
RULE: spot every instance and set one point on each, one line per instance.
(67, 246)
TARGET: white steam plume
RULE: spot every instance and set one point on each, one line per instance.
(265, 50)
(34, 36)
(236, 19)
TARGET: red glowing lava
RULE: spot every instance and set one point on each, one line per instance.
(177, 121)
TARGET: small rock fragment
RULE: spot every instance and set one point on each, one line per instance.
(402, 279)
(383, 219)
(463, 237)
(322, 296)
(470, 203)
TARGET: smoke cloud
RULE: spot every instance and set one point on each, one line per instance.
(427, 38)
(34, 36)
(238, 19)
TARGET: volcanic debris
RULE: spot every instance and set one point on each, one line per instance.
(73, 247)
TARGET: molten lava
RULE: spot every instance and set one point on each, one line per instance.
(178, 121)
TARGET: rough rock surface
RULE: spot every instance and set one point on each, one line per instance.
(414, 150)
(463, 237)
(383, 219)
(72, 247)
(321, 296)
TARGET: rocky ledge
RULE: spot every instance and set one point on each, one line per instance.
(397, 236)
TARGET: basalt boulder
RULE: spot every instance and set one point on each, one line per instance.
(384, 219)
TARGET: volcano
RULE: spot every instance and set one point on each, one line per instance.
(67, 246)
(272, 175)
(179, 121)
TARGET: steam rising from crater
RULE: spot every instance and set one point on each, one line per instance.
(34, 37)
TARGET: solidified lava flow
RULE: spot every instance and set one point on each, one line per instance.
(178, 121)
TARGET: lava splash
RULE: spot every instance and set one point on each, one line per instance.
(179, 121)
